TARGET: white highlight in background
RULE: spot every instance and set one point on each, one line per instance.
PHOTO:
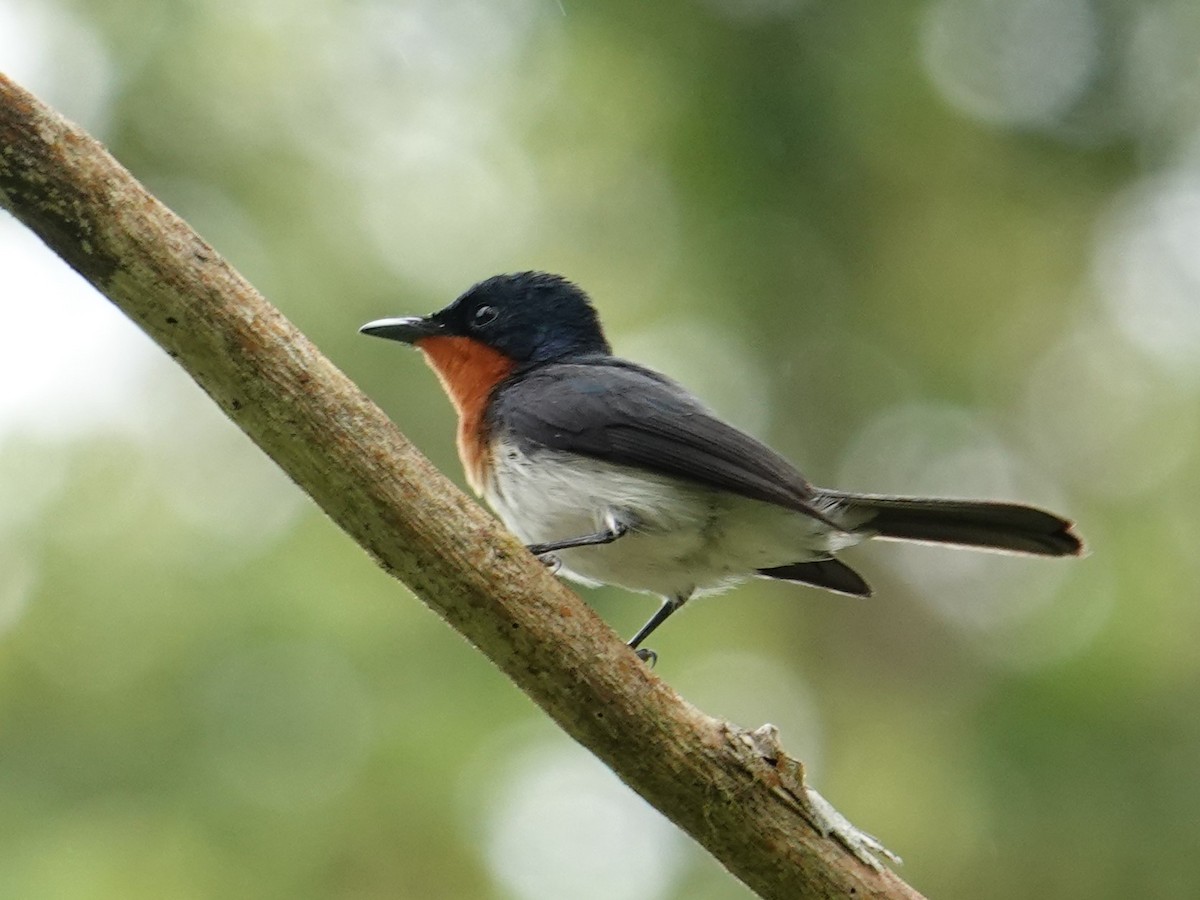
(69, 360)
(562, 825)
(1020, 63)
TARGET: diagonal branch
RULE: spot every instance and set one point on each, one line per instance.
(733, 791)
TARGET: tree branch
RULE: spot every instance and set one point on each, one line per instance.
(733, 791)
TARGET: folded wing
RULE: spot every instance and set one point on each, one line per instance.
(618, 412)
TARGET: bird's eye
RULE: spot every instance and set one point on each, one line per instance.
(484, 316)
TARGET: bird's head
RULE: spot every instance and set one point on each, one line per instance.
(527, 318)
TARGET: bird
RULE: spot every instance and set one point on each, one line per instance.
(616, 474)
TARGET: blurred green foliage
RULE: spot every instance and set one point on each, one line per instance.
(944, 247)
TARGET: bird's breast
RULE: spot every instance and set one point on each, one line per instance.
(469, 371)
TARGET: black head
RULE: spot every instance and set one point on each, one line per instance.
(530, 317)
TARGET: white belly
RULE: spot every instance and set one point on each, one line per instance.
(682, 538)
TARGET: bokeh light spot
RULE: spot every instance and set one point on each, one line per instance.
(1147, 264)
(939, 451)
(67, 366)
(1102, 418)
(562, 825)
(440, 175)
(717, 365)
(18, 576)
(216, 481)
(46, 49)
(1058, 631)
(1011, 62)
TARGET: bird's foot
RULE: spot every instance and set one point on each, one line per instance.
(649, 657)
(551, 562)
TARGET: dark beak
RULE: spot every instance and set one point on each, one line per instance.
(407, 329)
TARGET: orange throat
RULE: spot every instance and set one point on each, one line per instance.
(469, 371)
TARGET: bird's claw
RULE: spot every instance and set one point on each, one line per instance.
(551, 562)
(649, 657)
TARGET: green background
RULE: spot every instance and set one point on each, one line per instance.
(943, 247)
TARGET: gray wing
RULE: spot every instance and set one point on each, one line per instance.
(615, 411)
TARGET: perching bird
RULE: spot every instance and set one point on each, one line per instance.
(628, 479)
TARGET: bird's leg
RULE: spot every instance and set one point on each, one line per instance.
(613, 530)
(661, 615)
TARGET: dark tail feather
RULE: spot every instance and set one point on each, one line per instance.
(969, 523)
(824, 573)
